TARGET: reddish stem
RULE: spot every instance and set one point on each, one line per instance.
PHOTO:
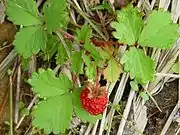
(96, 42)
(97, 82)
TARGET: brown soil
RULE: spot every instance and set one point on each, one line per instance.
(7, 32)
(166, 100)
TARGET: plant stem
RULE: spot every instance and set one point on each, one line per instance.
(11, 97)
(97, 82)
(16, 110)
(11, 105)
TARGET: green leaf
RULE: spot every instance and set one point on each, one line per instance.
(144, 95)
(29, 41)
(128, 25)
(86, 59)
(90, 70)
(93, 52)
(80, 112)
(25, 64)
(113, 70)
(54, 114)
(84, 34)
(55, 15)
(160, 31)
(134, 85)
(103, 53)
(23, 12)
(140, 66)
(51, 47)
(62, 55)
(175, 67)
(46, 84)
(90, 67)
(103, 6)
(21, 105)
(77, 62)
(24, 111)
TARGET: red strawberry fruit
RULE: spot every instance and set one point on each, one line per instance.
(94, 99)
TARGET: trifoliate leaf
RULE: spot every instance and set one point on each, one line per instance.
(55, 15)
(29, 41)
(54, 114)
(51, 47)
(175, 67)
(23, 12)
(128, 25)
(84, 34)
(77, 62)
(80, 112)
(113, 70)
(140, 66)
(46, 84)
(160, 31)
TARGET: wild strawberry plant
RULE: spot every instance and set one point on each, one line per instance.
(45, 34)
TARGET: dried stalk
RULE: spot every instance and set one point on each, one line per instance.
(16, 110)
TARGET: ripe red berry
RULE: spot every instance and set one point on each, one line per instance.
(94, 101)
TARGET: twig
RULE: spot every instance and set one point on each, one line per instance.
(117, 98)
(16, 110)
(76, 3)
(32, 68)
(39, 2)
(5, 97)
(167, 75)
(126, 112)
(88, 20)
(85, 5)
(7, 46)
(154, 100)
(11, 105)
(178, 131)
(4, 65)
(103, 121)
(163, 109)
(170, 119)
(88, 129)
(95, 128)
(29, 107)
(130, 123)
(67, 51)
(11, 99)
(57, 68)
